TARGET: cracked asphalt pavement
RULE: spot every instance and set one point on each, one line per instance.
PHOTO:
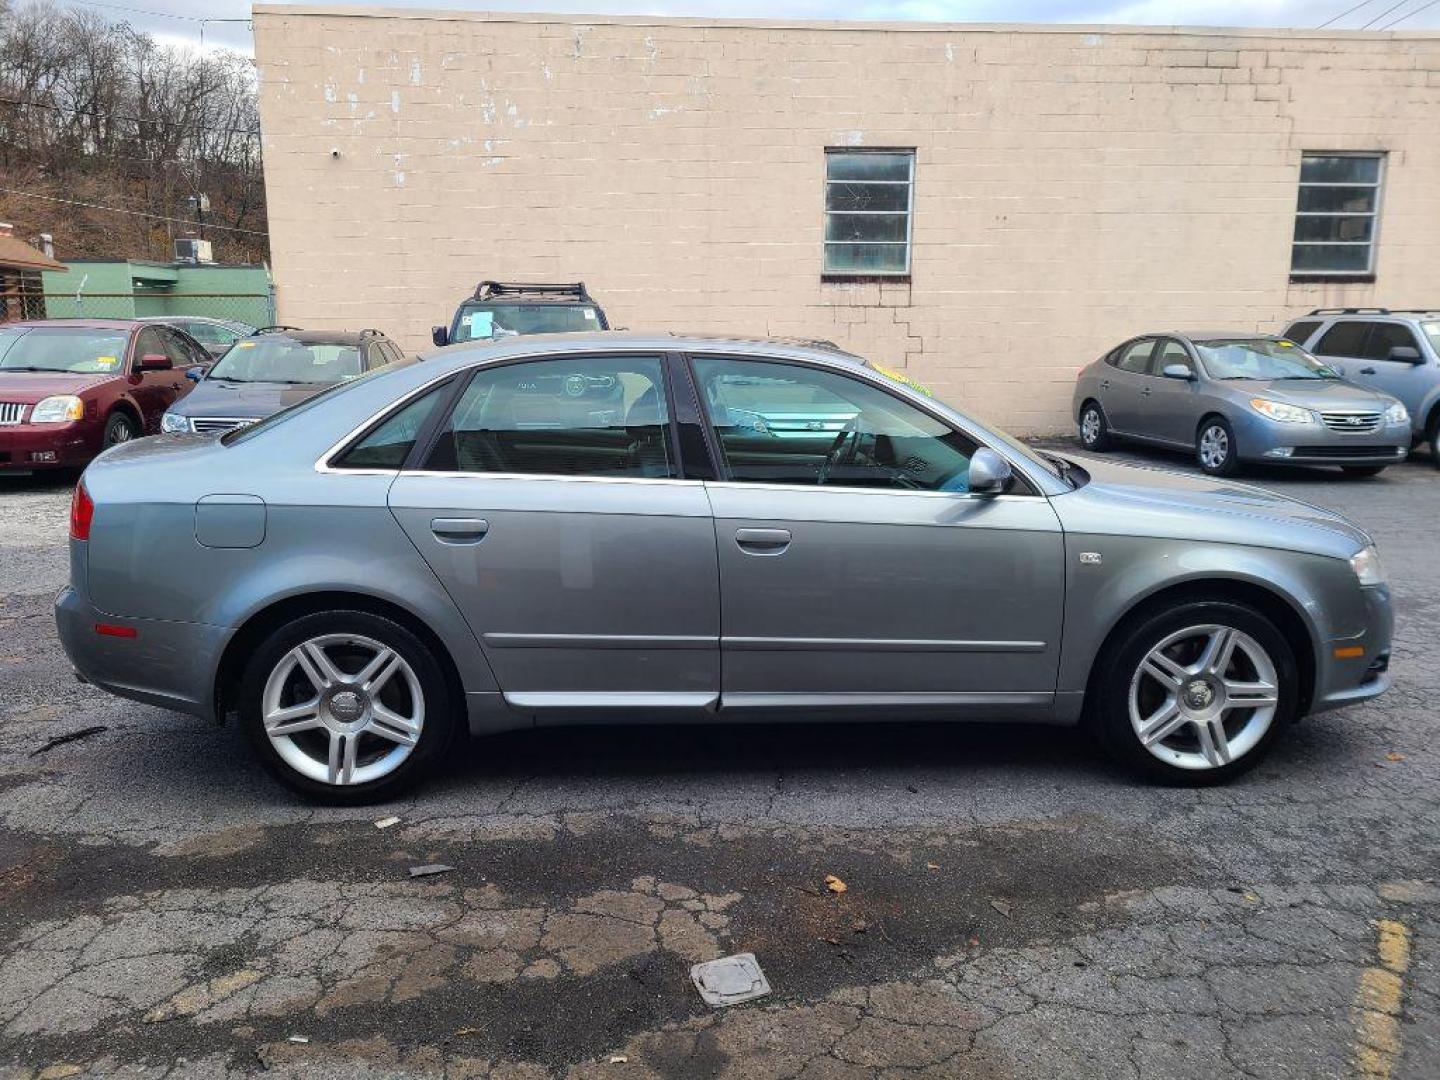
(1016, 906)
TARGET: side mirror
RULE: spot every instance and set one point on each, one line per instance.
(989, 473)
(1404, 354)
(1178, 371)
(155, 361)
(440, 335)
(195, 374)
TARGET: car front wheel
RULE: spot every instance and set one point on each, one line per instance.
(1195, 694)
(119, 428)
(1215, 448)
(346, 706)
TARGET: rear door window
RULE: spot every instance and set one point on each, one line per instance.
(1136, 358)
(1344, 339)
(582, 416)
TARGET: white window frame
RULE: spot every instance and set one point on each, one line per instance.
(826, 270)
(1373, 214)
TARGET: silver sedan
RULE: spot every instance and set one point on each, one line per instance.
(1235, 398)
(620, 527)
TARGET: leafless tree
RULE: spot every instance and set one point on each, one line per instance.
(93, 110)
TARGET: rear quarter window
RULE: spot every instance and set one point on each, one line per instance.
(1300, 332)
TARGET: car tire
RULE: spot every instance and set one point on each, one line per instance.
(1215, 449)
(1432, 436)
(1362, 470)
(1094, 431)
(119, 428)
(1155, 675)
(322, 730)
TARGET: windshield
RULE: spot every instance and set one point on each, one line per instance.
(1432, 331)
(1261, 358)
(285, 360)
(63, 348)
(484, 321)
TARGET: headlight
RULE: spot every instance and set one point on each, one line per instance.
(1281, 412)
(1366, 565)
(1397, 414)
(56, 410)
(173, 422)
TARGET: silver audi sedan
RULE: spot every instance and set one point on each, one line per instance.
(622, 527)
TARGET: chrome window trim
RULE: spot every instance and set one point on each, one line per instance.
(969, 496)
(322, 463)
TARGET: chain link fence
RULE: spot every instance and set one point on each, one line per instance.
(254, 309)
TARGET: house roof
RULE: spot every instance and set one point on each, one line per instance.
(15, 252)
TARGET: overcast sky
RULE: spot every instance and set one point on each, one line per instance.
(185, 23)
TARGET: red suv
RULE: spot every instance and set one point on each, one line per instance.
(70, 388)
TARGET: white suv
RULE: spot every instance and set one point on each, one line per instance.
(1397, 352)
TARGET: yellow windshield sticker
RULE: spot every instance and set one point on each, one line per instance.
(245, 344)
(107, 362)
(901, 377)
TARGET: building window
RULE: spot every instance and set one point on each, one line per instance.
(869, 195)
(1335, 219)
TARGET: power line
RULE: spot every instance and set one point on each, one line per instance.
(156, 14)
(123, 116)
(1402, 18)
(1347, 11)
(1387, 11)
(133, 213)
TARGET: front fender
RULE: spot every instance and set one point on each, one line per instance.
(1320, 590)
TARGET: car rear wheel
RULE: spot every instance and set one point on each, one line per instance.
(346, 707)
(119, 428)
(1215, 448)
(1094, 431)
(1195, 694)
(1362, 470)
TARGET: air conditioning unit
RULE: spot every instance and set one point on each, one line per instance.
(188, 249)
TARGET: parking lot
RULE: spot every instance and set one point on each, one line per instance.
(1013, 905)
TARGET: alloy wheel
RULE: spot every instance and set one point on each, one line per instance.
(119, 433)
(1090, 426)
(343, 709)
(1214, 447)
(1204, 697)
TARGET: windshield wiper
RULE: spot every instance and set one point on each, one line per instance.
(1060, 463)
(54, 370)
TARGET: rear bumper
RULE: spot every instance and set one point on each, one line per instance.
(169, 664)
(26, 447)
(1346, 679)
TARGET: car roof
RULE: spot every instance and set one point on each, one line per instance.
(1201, 336)
(188, 318)
(610, 341)
(325, 337)
(77, 324)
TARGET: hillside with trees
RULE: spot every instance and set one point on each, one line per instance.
(93, 111)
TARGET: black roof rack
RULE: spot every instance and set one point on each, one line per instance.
(573, 289)
(1350, 311)
(276, 329)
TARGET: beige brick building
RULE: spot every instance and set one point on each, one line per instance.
(1069, 186)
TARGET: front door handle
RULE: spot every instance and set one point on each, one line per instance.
(762, 541)
(1104, 384)
(1367, 371)
(1145, 392)
(459, 530)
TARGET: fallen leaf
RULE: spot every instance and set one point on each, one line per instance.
(834, 884)
(1394, 755)
(386, 822)
(1002, 906)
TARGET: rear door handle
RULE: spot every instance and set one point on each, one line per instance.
(459, 530)
(762, 541)
(1367, 371)
(1145, 392)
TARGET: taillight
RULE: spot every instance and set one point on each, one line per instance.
(82, 510)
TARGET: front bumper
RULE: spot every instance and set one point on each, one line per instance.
(1357, 668)
(169, 664)
(1264, 441)
(27, 447)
